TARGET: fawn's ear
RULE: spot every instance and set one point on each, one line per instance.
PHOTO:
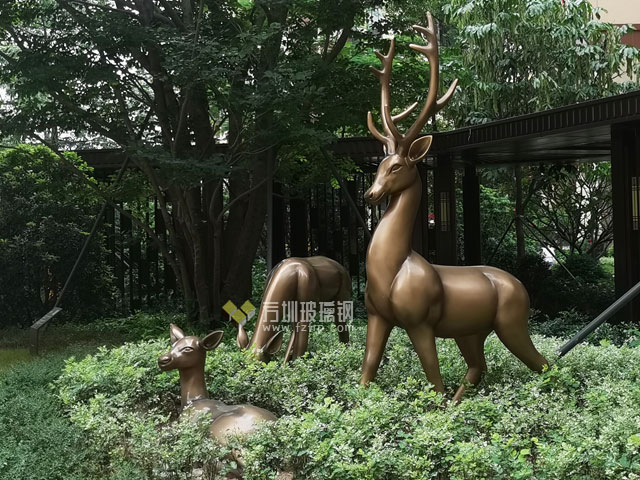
(175, 333)
(419, 148)
(242, 339)
(212, 340)
(274, 344)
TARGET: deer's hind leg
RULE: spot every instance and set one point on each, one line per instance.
(511, 328)
(472, 349)
(307, 291)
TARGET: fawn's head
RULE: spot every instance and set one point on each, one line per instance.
(404, 151)
(188, 352)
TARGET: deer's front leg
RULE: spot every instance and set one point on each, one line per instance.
(424, 342)
(378, 331)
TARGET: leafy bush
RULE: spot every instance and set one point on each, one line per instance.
(258, 279)
(36, 441)
(141, 325)
(534, 272)
(45, 214)
(578, 420)
(567, 323)
(590, 292)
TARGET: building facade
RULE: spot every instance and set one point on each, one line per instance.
(622, 12)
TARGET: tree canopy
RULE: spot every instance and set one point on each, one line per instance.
(204, 96)
(213, 98)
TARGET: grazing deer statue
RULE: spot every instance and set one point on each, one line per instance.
(403, 289)
(317, 279)
(187, 355)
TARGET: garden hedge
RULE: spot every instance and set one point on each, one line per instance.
(578, 420)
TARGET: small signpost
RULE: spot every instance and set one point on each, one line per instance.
(34, 334)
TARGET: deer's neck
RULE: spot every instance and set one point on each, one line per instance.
(391, 241)
(192, 385)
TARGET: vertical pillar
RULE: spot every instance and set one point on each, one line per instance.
(471, 213)
(269, 219)
(625, 180)
(445, 211)
(421, 226)
(278, 251)
(299, 236)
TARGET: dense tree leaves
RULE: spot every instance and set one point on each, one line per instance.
(207, 98)
(521, 56)
(45, 216)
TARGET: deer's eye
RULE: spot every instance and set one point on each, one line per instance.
(395, 168)
(187, 350)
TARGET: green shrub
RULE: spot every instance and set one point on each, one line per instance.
(45, 214)
(569, 322)
(590, 292)
(578, 420)
(36, 441)
(141, 325)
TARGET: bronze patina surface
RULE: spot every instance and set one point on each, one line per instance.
(316, 279)
(187, 355)
(403, 289)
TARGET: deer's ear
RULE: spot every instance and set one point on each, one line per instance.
(242, 339)
(175, 333)
(212, 340)
(419, 148)
(274, 344)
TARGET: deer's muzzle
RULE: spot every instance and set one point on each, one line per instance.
(374, 196)
(164, 362)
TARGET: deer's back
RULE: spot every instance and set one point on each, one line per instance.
(239, 420)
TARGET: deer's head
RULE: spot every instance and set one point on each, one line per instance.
(404, 151)
(188, 352)
(262, 352)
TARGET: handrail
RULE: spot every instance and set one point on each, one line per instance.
(600, 319)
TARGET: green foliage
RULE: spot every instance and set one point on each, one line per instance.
(45, 214)
(590, 292)
(569, 322)
(141, 325)
(258, 280)
(36, 441)
(496, 213)
(578, 420)
(10, 356)
(520, 56)
(573, 207)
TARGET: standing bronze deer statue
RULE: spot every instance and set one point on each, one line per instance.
(403, 289)
(317, 279)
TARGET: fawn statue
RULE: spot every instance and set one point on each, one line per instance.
(403, 289)
(187, 355)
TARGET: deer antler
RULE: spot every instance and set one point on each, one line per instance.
(385, 77)
(393, 138)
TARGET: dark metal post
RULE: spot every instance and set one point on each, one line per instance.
(600, 319)
(350, 200)
(445, 210)
(625, 172)
(471, 213)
